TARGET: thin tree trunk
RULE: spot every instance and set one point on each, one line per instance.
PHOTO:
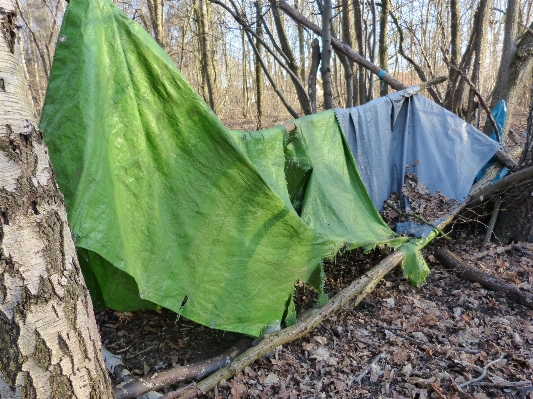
(245, 95)
(509, 48)
(347, 64)
(313, 70)
(303, 99)
(383, 48)
(301, 45)
(325, 68)
(49, 342)
(257, 63)
(206, 58)
(156, 9)
(361, 74)
(455, 46)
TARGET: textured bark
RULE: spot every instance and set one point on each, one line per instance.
(516, 221)
(516, 66)
(49, 342)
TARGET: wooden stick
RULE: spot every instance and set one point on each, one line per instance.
(492, 223)
(359, 289)
(198, 370)
(492, 283)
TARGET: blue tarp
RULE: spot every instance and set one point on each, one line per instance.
(406, 132)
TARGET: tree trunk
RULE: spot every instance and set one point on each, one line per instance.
(360, 97)
(49, 342)
(516, 65)
(158, 22)
(301, 44)
(206, 58)
(516, 220)
(325, 69)
(245, 96)
(383, 48)
(315, 61)
(257, 65)
(347, 64)
(454, 100)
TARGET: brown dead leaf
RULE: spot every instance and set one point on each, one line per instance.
(321, 340)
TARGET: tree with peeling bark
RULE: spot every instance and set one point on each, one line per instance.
(50, 346)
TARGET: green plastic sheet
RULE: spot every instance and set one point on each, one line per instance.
(170, 209)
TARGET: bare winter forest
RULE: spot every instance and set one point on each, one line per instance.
(466, 333)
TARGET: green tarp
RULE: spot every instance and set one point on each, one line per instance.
(170, 209)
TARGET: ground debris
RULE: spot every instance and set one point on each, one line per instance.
(428, 342)
(416, 199)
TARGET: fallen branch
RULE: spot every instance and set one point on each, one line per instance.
(496, 188)
(492, 223)
(494, 170)
(356, 292)
(492, 283)
(192, 389)
(360, 376)
(197, 371)
(524, 248)
(483, 373)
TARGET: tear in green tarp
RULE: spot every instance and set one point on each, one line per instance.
(170, 209)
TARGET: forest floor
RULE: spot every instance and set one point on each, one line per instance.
(449, 338)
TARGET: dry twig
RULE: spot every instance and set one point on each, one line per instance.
(361, 375)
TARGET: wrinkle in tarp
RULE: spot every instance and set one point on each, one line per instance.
(170, 209)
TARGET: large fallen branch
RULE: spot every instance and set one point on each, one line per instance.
(492, 283)
(476, 199)
(355, 293)
(198, 370)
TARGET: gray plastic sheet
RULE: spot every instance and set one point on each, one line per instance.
(407, 133)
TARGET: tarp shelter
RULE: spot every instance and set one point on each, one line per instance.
(168, 208)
